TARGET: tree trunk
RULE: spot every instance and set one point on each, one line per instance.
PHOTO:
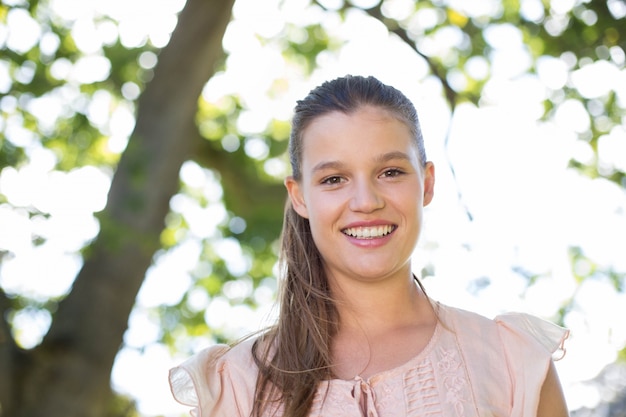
(68, 374)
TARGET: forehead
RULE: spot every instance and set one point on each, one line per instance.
(367, 130)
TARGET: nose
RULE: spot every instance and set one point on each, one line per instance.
(366, 197)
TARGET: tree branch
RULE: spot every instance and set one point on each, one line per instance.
(88, 327)
(8, 351)
(259, 202)
(439, 72)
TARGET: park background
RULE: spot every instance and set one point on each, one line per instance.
(142, 156)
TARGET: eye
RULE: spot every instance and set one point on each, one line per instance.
(392, 173)
(333, 180)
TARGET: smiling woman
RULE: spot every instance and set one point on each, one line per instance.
(356, 333)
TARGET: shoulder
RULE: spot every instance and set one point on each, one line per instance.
(445, 311)
(528, 329)
(236, 362)
(508, 355)
(239, 357)
(508, 329)
(461, 321)
(219, 380)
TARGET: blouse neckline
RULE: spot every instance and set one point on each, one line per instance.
(389, 373)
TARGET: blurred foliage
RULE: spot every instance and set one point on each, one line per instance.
(253, 198)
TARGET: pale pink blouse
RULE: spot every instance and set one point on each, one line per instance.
(472, 366)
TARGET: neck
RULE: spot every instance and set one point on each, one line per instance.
(396, 301)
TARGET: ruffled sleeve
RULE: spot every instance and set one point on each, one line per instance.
(216, 382)
(530, 344)
(547, 334)
(507, 358)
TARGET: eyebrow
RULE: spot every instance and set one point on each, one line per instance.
(386, 157)
(390, 156)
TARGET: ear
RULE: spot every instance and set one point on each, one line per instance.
(297, 198)
(429, 183)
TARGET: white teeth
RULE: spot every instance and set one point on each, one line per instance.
(368, 232)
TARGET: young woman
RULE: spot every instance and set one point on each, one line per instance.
(356, 334)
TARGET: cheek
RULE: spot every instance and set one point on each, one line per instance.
(408, 197)
(318, 213)
(412, 209)
(323, 211)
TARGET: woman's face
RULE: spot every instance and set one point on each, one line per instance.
(362, 189)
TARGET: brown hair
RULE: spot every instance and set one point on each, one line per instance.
(294, 356)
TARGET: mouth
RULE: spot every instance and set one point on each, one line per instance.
(372, 232)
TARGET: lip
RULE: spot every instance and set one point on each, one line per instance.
(369, 223)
